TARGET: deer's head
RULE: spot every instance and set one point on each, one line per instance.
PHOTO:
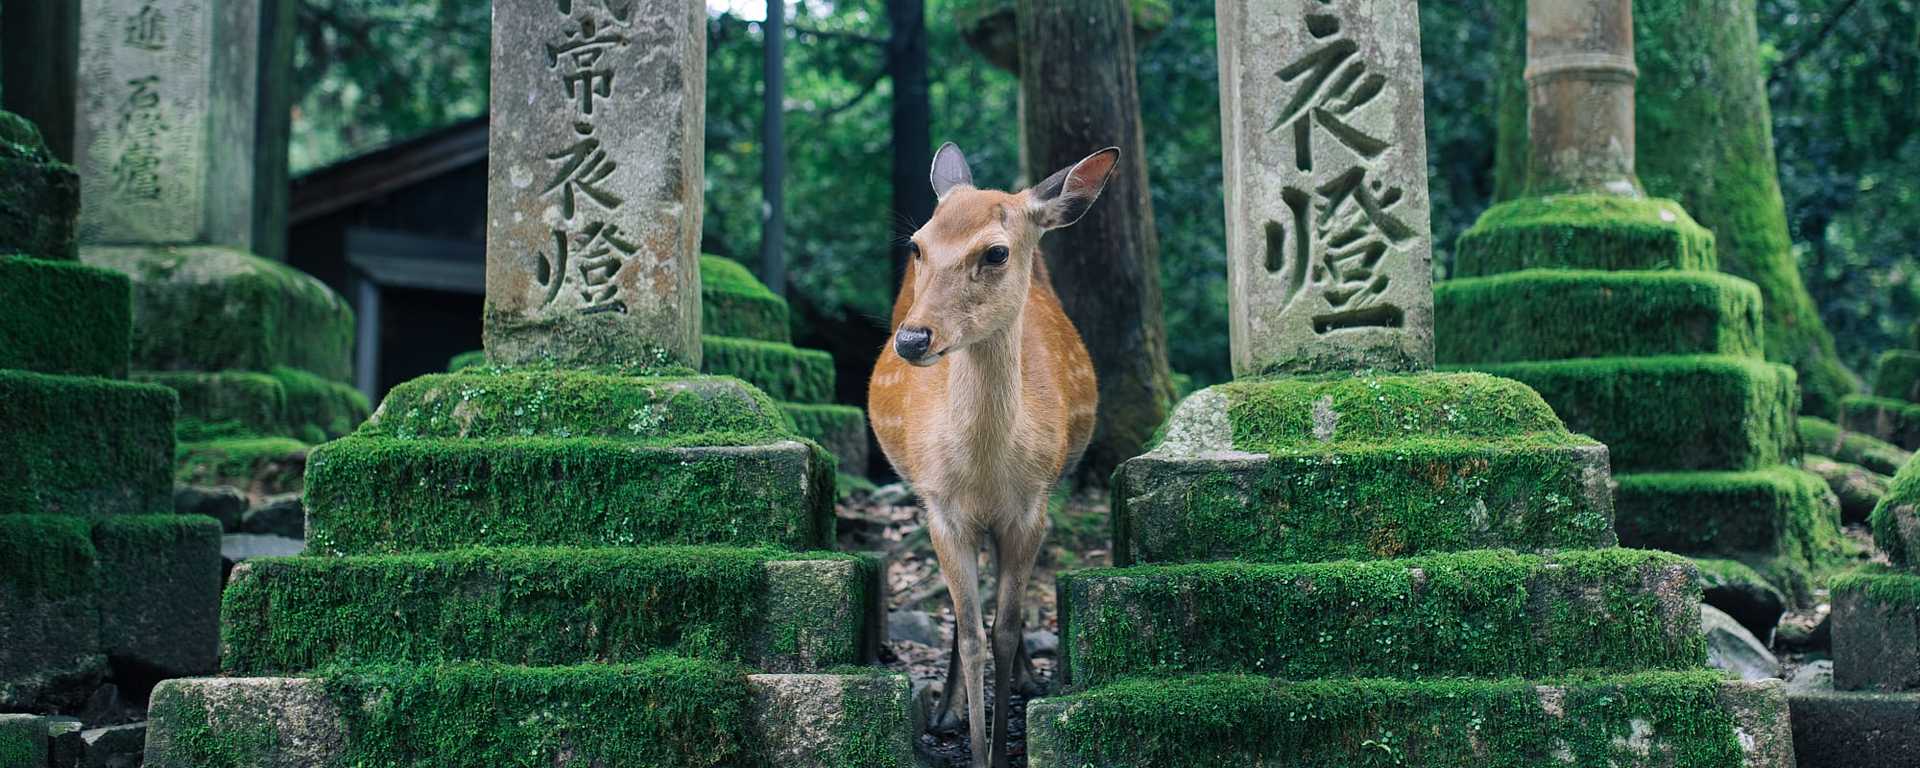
(973, 262)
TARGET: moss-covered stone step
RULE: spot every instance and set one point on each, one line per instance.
(1649, 720)
(262, 466)
(774, 611)
(651, 411)
(385, 494)
(783, 371)
(208, 308)
(74, 590)
(1489, 614)
(1774, 512)
(1897, 375)
(1552, 314)
(1896, 519)
(82, 445)
(1876, 630)
(735, 303)
(841, 429)
(283, 401)
(42, 194)
(1678, 412)
(1825, 438)
(23, 741)
(1841, 729)
(1895, 421)
(65, 318)
(664, 712)
(1605, 232)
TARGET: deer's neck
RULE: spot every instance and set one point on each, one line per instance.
(984, 393)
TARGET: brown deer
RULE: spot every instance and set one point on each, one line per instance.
(984, 399)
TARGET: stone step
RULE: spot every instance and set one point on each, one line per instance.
(1605, 232)
(389, 494)
(1684, 412)
(841, 429)
(1895, 421)
(1876, 631)
(64, 318)
(84, 445)
(1897, 375)
(1825, 438)
(262, 466)
(777, 612)
(209, 308)
(1554, 314)
(1479, 614)
(785, 372)
(653, 410)
(285, 402)
(735, 303)
(662, 712)
(1843, 729)
(1777, 512)
(1649, 720)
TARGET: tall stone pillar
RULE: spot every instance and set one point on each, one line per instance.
(1337, 513)
(1580, 77)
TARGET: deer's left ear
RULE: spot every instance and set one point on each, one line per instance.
(949, 171)
(1065, 196)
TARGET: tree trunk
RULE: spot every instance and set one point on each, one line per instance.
(773, 141)
(912, 124)
(1078, 87)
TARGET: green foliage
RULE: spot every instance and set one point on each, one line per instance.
(1826, 438)
(1592, 232)
(79, 445)
(1555, 314)
(783, 371)
(64, 317)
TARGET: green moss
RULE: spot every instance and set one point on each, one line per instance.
(1672, 413)
(1886, 586)
(1895, 520)
(84, 445)
(1780, 519)
(1586, 232)
(1481, 614)
(647, 411)
(472, 358)
(318, 409)
(47, 555)
(383, 494)
(269, 464)
(204, 732)
(64, 317)
(543, 607)
(735, 303)
(1897, 375)
(1554, 314)
(1269, 415)
(1825, 438)
(228, 404)
(205, 308)
(874, 729)
(23, 738)
(1225, 720)
(1893, 421)
(783, 371)
(841, 429)
(160, 591)
(39, 195)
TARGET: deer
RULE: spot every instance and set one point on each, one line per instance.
(984, 400)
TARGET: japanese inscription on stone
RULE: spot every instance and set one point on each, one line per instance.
(594, 188)
(1328, 244)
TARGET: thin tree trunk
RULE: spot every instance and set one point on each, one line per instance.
(912, 123)
(1079, 93)
(773, 137)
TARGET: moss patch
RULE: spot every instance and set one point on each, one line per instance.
(269, 464)
(649, 411)
(1896, 519)
(543, 607)
(783, 371)
(1777, 518)
(84, 445)
(1825, 438)
(23, 738)
(1897, 375)
(735, 303)
(1482, 614)
(473, 358)
(63, 317)
(382, 494)
(841, 429)
(1589, 232)
(39, 195)
(1322, 413)
(1555, 314)
(1672, 413)
(1894, 421)
(160, 591)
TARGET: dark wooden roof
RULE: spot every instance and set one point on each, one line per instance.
(388, 169)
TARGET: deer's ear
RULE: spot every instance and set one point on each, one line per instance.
(1065, 196)
(949, 171)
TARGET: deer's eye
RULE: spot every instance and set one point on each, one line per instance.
(995, 255)
(913, 249)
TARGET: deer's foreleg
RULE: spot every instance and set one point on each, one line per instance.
(1016, 545)
(958, 548)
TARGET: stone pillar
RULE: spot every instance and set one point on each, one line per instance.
(595, 182)
(1328, 246)
(1580, 77)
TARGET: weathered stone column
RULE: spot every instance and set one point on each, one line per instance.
(1328, 248)
(1580, 77)
(595, 182)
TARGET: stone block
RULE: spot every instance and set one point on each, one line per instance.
(1825, 438)
(1486, 614)
(1876, 631)
(39, 195)
(118, 746)
(1687, 412)
(23, 741)
(262, 466)
(1779, 511)
(50, 653)
(284, 401)
(207, 308)
(1896, 519)
(224, 503)
(159, 592)
(841, 429)
(1649, 720)
(647, 410)
(1897, 375)
(546, 607)
(79, 445)
(63, 318)
(1833, 729)
(1740, 591)
(735, 303)
(828, 721)
(1586, 232)
(1554, 314)
(1894, 421)
(594, 187)
(783, 371)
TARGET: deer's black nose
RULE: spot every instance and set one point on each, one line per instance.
(912, 343)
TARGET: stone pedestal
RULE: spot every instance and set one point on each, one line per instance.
(1891, 412)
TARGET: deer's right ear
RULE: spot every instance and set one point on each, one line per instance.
(949, 171)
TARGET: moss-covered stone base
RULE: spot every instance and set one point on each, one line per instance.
(735, 303)
(1896, 519)
(1825, 438)
(1672, 413)
(1597, 232)
(1895, 421)
(1876, 631)
(1479, 614)
(159, 592)
(650, 411)
(1897, 375)
(1837, 729)
(262, 466)
(783, 371)
(1559, 314)
(65, 318)
(1763, 515)
(773, 611)
(287, 402)
(207, 308)
(81, 445)
(663, 712)
(49, 611)
(1650, 720)
(841, 429)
